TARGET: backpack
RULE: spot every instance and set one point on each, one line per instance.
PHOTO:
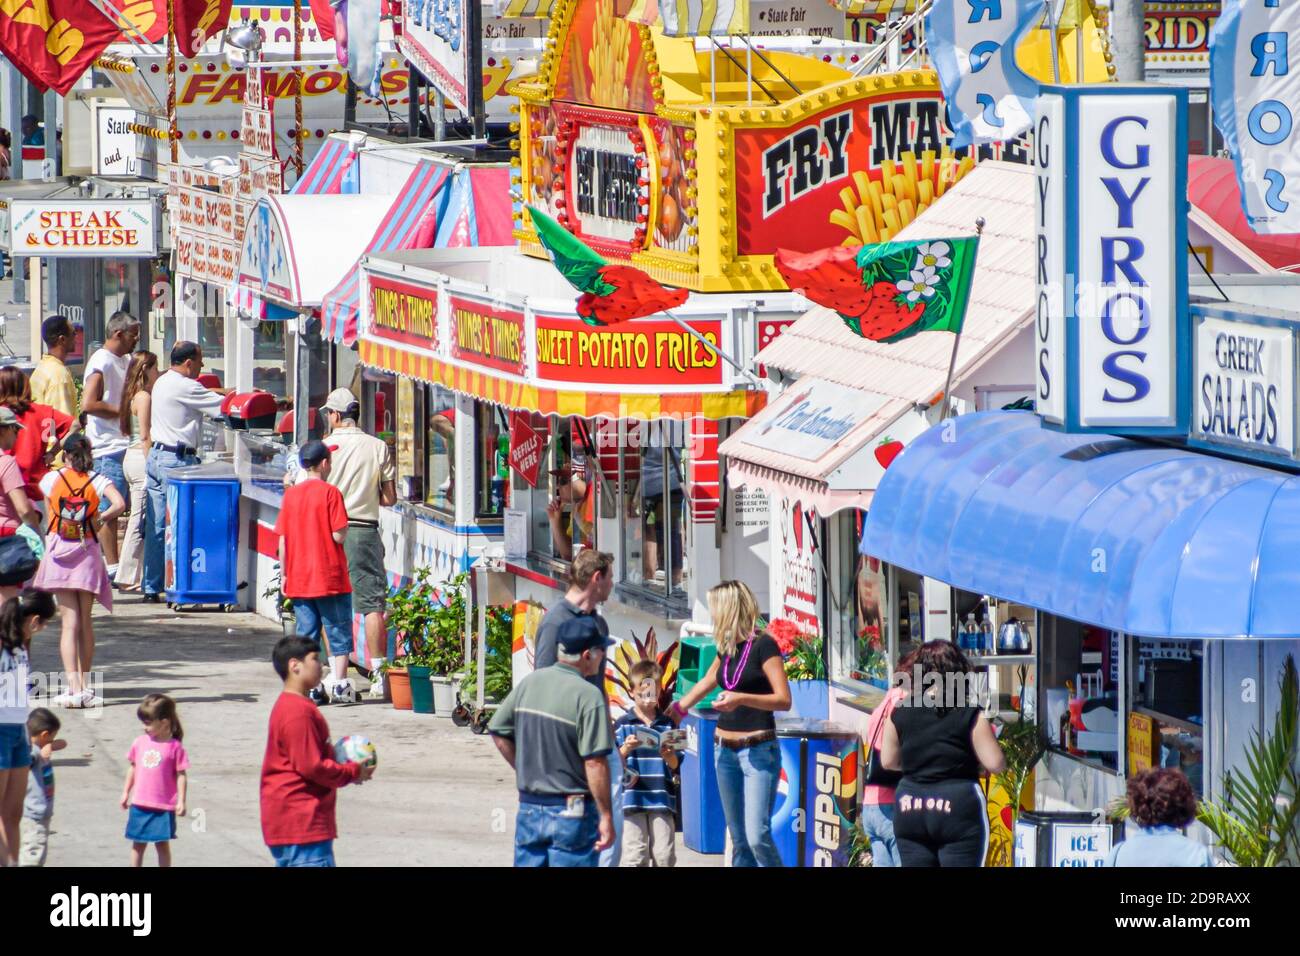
(72, 516)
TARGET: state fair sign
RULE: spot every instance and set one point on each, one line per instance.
(1121, 248)
(117, 228)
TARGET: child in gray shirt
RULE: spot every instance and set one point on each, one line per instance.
(38, 807)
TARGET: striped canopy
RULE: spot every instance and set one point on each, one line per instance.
(332, 171)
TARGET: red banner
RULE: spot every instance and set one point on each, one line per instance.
(147, 16)
(486, 336)
(526, 446)
(322, 14)
(197, 21)
(641, 352)
(53, 42)
(403, 312)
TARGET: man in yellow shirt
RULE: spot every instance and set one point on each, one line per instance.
(51, 382)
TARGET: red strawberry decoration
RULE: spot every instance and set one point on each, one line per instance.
(887, 451)
(829, 277)
(796, 515)
(1008, 818)
(886, 313)
(635, 295)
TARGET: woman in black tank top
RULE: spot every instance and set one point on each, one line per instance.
(746, 755)
(940, 740)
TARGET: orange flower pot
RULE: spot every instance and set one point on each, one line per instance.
(399, 688)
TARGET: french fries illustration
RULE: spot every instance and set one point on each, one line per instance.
(877, 210)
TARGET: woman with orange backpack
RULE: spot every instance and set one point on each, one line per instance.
(73, 567)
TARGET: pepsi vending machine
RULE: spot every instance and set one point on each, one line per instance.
(817, 796)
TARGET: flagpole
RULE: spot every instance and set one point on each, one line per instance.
(956, 340)
(695, 334)
(297, 87)
(172, 131)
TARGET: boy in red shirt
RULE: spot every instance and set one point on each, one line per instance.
(300, 778)
(313, 568)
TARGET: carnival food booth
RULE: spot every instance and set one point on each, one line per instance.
(1160, 575)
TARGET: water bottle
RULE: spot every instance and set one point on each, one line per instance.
(986, 635)
(971, 629)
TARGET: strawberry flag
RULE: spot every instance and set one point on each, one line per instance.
(610, 293)
(54, 42)
(198, 21)
(888, 291)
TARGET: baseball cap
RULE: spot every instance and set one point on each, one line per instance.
(340, 400)
(7, 417)
(313, 453)
(581, 633)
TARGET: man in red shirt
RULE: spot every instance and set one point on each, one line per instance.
(314, 569)
(300, 778)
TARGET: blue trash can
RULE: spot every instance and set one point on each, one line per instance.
(704, 827)
(817, 796)
(202, 537)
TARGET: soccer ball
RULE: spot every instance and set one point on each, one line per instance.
(356, 749)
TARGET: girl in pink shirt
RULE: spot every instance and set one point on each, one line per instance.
(154, 792)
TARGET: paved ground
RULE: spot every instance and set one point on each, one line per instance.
(441, 795)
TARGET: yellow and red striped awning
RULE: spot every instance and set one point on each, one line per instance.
(738, 403)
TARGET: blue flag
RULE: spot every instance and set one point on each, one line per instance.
(973, 46)
(1256, 97)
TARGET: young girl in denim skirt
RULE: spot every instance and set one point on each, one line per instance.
(154, 792)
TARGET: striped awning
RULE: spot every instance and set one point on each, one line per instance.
(513, 394)
(333, 170)
(243, 299)
(411, 214)
(880, 8)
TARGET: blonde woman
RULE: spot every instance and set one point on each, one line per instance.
(747, 758)
(135, 416)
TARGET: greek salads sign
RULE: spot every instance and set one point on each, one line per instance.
(1245, 381)
(1112, 264)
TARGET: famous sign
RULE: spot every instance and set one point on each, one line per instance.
(1112, 264)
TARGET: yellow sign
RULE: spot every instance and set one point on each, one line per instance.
(1141, 743)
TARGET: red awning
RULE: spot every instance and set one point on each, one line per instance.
(1212, 188)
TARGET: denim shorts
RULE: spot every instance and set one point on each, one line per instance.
(15, 747)
(110, 466)
(334, 613)
(304, 854)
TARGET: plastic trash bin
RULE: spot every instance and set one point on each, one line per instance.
(817, 796)
(704, 827)
(695, 655)
(202, 537)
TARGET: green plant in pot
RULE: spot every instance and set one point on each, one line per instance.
(428, 619)
(498, 664)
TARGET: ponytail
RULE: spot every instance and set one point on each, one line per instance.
(15, 612)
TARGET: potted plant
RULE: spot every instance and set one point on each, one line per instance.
(805, 669)
(445, 645)
(284, 605)
(410, 615)
(498, 665)
(1023, 745)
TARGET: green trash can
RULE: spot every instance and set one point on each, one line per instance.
(695, 655)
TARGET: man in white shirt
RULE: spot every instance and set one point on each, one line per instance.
(362, 469)
(179, 405)
(102, 387)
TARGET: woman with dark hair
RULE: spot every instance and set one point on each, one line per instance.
(41, 430)
(941, 742)
(135, 417)
(880, 783)
(73, 567)
(1161, 802)
(20, 618)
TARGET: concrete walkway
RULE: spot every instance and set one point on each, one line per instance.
(441, 796)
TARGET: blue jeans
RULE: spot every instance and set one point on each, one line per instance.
(747, 781)
(334, 613)
(155, 523)
(304, 854)
(110, 466)
(545, 836)
(878, 825)
(610, 856)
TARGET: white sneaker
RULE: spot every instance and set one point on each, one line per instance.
(89, 698)
(376, 691)
(343, 693)
(68, 699)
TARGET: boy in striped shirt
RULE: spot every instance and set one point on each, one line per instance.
(649, 828)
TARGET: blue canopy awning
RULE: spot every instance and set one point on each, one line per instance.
(1145, 539)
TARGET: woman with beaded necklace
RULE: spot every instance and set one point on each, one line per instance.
(746, 755)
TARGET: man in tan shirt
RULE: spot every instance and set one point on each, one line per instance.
(52, 384)
(362, 469)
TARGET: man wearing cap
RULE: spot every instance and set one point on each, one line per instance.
(363, 471)
(179, 406)
(553, 729)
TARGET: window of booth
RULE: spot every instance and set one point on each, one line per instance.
(439, 472)
(1078, 679)
(1167, 706)
(561, 508)
(859, 649)
(270, 357)
(649, 459)
(212, 340)
(491, 460)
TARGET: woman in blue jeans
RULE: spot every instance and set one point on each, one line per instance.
(751, 674)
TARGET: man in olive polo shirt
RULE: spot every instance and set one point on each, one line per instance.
(363, 471)
(554, 730)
